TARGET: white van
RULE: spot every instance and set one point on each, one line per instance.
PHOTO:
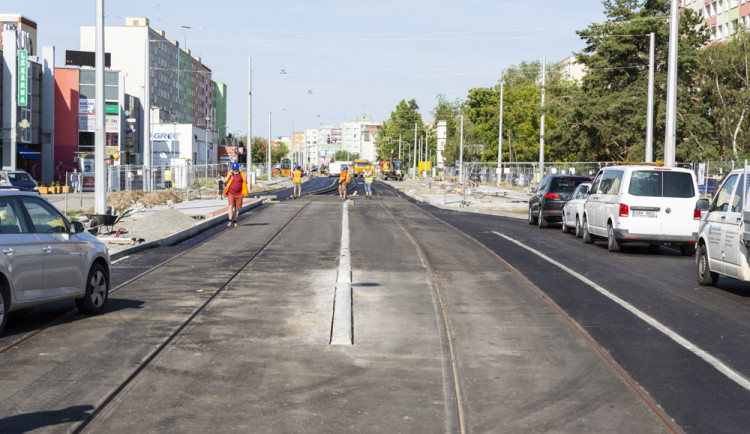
(655, 205)
(724, 236)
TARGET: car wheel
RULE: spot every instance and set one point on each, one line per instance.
(540, 220)
(705, 276)
(612, 243)
(579, 232)
(97, 291)
(587, 238)
(532, 220)
(687, 249)
(565, 227)
(4, 305)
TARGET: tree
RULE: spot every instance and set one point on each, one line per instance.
(605, 119)
(279, 151)
(401, 122)
(726, 88)
(345, 156)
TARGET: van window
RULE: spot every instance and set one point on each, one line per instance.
(738, 195)
(721, 199)
(595, 186)
(611, 181)
(563, 184)
(657, 183)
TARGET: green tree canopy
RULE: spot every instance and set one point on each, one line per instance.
(401, 122)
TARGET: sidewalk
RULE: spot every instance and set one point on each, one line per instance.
(161, 225)
(485, 199)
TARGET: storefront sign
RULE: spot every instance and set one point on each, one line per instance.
(23, 78)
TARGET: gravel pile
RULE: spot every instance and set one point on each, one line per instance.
(156, 225)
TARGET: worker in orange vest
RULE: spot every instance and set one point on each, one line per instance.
(296, 182)
(236, 189)
(344, 179)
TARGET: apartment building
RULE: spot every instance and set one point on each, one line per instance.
(358, 137)
(721, 17)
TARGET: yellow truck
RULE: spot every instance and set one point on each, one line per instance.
(359, 167)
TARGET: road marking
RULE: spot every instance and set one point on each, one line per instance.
(708, 358)
(341, 328)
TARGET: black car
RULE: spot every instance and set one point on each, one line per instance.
(546, 204)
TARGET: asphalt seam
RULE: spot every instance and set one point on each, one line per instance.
(341, 329)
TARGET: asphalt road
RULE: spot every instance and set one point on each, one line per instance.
(447, 335)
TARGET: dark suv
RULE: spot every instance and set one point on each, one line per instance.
(546, 204)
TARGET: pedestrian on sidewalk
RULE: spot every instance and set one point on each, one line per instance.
(220, 190)
(74, 180)
(368, 182)
(168, 179)
(296, 182)
(236, 189)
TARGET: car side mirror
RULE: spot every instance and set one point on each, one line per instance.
(702, 205)
(76, 227)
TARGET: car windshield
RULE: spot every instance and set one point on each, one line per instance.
(565, 184)
(19, 177)
(658, 183)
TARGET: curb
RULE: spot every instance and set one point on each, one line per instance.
(176, 237)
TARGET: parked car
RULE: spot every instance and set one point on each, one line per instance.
(546, 203)
(656, 205)
(573, 209)
(17, 179)
(724, 236)
(707, 188)
(46, 258)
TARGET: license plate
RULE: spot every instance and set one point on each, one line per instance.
(642, 213)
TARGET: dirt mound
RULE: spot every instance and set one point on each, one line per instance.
(127, 199)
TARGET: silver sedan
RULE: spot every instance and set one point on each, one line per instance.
(573, 210)
(46, 258)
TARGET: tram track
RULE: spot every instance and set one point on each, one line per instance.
(178, 331)
(455, 396)
(601, 352)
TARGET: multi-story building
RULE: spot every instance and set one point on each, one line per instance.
(26, 99)
(357, 137)
(721, 17)
(180, 86)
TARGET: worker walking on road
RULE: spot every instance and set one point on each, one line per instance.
(236, 189)
(297, 182)
(344, 180)
(368, 182)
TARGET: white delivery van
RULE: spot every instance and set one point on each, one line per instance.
(642, 203)
(724, 235)
(334, 168)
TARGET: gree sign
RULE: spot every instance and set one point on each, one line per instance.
(23, 77)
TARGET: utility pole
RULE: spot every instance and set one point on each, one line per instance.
(541, 125)
(650, 111)
(269, 146)
(500, 135)
(399, 147)
(100, 170)
(461, 152)
(414, 156)
(670, 134)
(249, 144)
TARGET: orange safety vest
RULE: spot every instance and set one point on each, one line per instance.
(244, 185)
(342, 176)
(348, 177)
(297, 175)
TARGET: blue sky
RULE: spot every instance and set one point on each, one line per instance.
(342, 59)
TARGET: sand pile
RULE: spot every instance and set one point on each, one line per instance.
(139, 199)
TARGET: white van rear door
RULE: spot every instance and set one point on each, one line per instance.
(680, 195)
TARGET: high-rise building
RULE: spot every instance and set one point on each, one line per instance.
(721, 17)
(357, 137)
(180, 86)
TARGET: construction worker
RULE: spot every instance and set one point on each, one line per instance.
(236, 189)
(344, 179)
(296, 182)
(369, 177)
(168, 179)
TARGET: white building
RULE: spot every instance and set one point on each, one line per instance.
(357, 138)
(182, 144)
